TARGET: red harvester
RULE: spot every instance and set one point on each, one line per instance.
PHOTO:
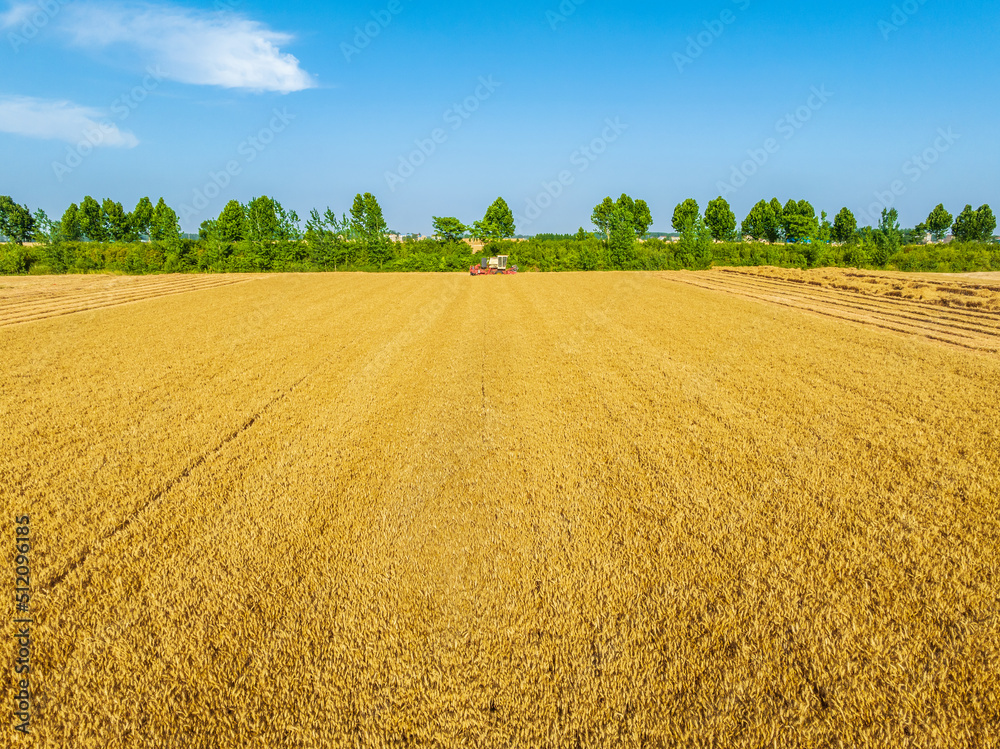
(493, 266)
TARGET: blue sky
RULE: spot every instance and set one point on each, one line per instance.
(439, 107)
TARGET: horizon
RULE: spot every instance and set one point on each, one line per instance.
(556, 105)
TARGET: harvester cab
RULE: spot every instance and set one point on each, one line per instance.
(492, 266)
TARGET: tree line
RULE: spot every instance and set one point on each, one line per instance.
(261, 235)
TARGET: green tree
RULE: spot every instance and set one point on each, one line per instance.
(642, 218)
(621, 241)
(720, 219)
(582, 235)
(497, 224)
(799, 222)
(695, 246)
(914, 236)
(69, 226)
(881, 248)
(368, 224)
(449, 228)
(338, 227)
(231, 226)
(92, 221)
(208, 230)
(779, 220)
(321, 238)
(367, 220)
(845, 226)
(986, 223)
(46, 231)
(761, 223)
(142, 217)
(889, 225)
(119, 227)
(16, 221)
(601, 217)
(163, 225)
(964, 228)
(262, 221)
(975, 225)
(938, 222)
(685, 215)
(342, 234)
(825, 228)
(288, 224)
(788, 212)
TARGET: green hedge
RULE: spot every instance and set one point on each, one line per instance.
(548, 254)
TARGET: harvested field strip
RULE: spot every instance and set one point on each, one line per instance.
(945, 290)
(866, 310)
(112, 295)
(938, 317)
(945, 312)
(760, 292)
(55, 306)
(896, 327)
(113, 285)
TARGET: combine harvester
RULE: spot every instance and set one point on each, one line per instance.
(493, 266)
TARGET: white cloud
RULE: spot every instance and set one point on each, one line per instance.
(17, 14)
(192, 46)
(60, 120)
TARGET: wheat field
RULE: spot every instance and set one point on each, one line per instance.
(722, 509)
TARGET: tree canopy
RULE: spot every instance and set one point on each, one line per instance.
(720, 219)
(685, 215)
(799, 222)
(16, 221)
(142, 217)
(604, 216)
(762, 223)
(497, 224)
(69, 226)
(449, 228)
(974, 225)
(845, 226)
(938, 222)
